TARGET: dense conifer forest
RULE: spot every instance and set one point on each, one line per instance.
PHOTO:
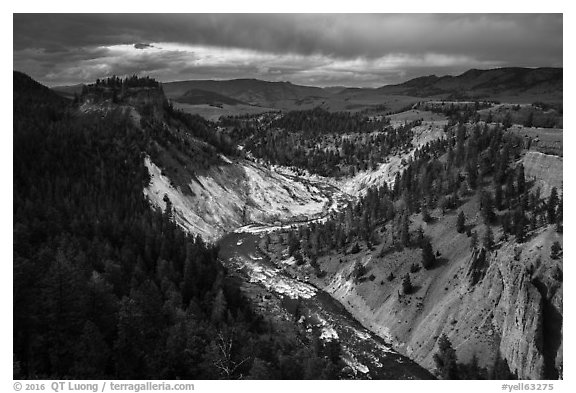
(105, 286)
(333, 144)
(472, 160)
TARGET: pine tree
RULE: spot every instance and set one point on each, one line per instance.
(473, 371)
(520, 229)
(428, 257)
(420, 236)
(293, 243)
(190, 275)
(559, 215)
(63, 303)
(488, 240)
(520, 179)
(333, 350)
(219, 308)
(521, 233)
(92, 353)
(407, 285)
(472, 175)
(501, 370)
(551, 205)
(445, 359)
(461, 222)
(426, 214)
(487, 207)
(473, 241)
(555, 250)
(261, 370)
(510, 191)
(507, 122)
(130, 346)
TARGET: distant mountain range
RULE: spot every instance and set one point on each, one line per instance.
(251, 91)
(515, 84)
(199, 97)
(484, 83)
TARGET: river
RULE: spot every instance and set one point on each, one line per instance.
(367, 355)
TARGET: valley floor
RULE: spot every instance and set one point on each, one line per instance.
(242, 201)
(291, 300)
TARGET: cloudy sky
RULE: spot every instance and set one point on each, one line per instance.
(367, 50)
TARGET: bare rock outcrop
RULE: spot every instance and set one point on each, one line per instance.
(545, 169)
(505, 301)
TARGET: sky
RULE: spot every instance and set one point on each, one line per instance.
(363, 50)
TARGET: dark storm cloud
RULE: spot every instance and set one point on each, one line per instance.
(370, 49)
(143, 46)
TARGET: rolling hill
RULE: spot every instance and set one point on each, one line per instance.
(501, 83)
(513, 85)
(199, 97)
(252, 91)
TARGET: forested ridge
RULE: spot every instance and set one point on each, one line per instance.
(334, 144)
(538, 114)
(474, 160)
(320, 121)
(105, 286)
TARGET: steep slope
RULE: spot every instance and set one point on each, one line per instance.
(386, 171)
(507, 301)
(236, 193)
(88, 280)
(504, 311)
(29, 92)
(141, 299)
(210, 194)
(503, 303)
(487, 303)
(545, 169)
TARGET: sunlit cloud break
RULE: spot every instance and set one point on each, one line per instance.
(322, 50)
(173, 61)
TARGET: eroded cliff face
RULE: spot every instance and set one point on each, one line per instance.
(148, 101)
(544, 169)
(518, 314)
(139, 101)
(507, 301)
(236, 193)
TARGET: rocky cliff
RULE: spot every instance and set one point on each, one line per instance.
(507, 301)
(235, 193)
(545, 169)
(146, 101)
